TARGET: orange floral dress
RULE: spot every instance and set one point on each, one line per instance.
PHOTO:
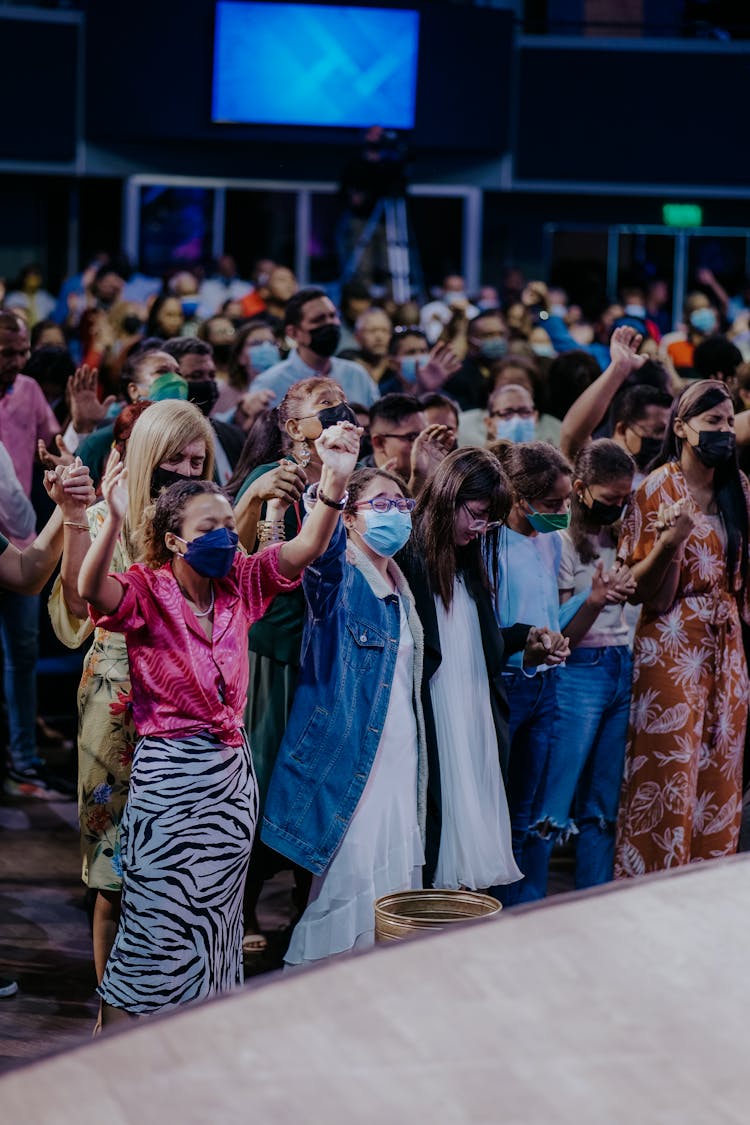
(681, 796)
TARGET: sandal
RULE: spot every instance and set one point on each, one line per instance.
(254, 943)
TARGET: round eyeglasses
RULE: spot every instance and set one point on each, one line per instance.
(385, 503)
(480, 524)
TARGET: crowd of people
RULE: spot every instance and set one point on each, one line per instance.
(390, 596)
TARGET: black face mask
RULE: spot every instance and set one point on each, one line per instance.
(714, 446)
(222, 353)
(650, 448)
(204, 393)
(163, 478)
(325, 339)
(333, 414)
(603, 514)
(131, 325)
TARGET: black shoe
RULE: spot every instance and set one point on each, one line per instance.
(29, 783)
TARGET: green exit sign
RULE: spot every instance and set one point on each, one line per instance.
(682, 214)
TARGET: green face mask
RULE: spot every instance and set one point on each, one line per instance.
(541, 521)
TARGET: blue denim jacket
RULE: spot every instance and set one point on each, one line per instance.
(349, 649)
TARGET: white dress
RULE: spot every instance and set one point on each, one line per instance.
(475, 839)
(381, 851)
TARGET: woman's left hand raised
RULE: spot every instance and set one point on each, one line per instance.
(338, 447)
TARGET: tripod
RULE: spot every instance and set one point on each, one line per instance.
(392, 210)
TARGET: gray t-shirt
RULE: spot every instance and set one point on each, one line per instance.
(574, 576)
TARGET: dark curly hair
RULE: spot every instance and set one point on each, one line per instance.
(532, 466)
(599, 462)
(166, 515)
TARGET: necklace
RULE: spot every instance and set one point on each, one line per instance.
(204, 612)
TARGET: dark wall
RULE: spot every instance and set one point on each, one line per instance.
(149, 78)
(39, 65)
(633, 116)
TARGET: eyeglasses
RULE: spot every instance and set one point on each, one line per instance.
(411, 437)
(385, 503)
(515, 412)
(14, 353)
(481, 524)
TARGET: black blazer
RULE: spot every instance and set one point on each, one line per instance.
(498, 644)
(230, 438)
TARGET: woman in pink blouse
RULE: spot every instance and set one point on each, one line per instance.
(187, 831)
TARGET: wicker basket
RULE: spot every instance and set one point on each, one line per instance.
(401, 915)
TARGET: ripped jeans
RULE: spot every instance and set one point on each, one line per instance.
(587, 755)
(532, 713)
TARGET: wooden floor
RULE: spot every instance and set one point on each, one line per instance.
(45, 932)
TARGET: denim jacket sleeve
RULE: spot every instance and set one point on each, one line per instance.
(323, 579)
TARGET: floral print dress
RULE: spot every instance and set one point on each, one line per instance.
(106, 734)
(681, 797)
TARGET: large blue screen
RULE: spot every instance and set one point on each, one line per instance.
(305, 64)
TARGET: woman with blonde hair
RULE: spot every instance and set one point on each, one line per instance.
(170, 441)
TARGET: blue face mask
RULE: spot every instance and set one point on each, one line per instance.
(704, 320)
(635, 310)
(494, 348)
(262, 356)
(411, 365)
(544, 350)
(515, 428)
(386, 532)
(211, 555)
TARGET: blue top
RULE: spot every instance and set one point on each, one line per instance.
(527, 581)
(352, 377)
(562, 341)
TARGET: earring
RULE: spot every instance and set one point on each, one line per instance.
(302, 453)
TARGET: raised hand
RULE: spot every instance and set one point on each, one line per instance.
(86, 412)
(623, 348)
(115, 486)
(49, 460)
(442, 364)
(338, 448)
(251, 405)
(431, 447)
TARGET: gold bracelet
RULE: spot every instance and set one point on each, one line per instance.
(271, 531)
(70, 523)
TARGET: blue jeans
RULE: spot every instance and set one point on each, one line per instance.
(532, 711)
(19, 633)
(587, 756)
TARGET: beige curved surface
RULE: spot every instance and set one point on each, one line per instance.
(628, 1005)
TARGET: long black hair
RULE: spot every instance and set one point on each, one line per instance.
(696, 399)
(465, 475)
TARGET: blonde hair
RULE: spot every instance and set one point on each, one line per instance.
(160, 432)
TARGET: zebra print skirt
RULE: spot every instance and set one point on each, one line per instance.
(186, 836)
